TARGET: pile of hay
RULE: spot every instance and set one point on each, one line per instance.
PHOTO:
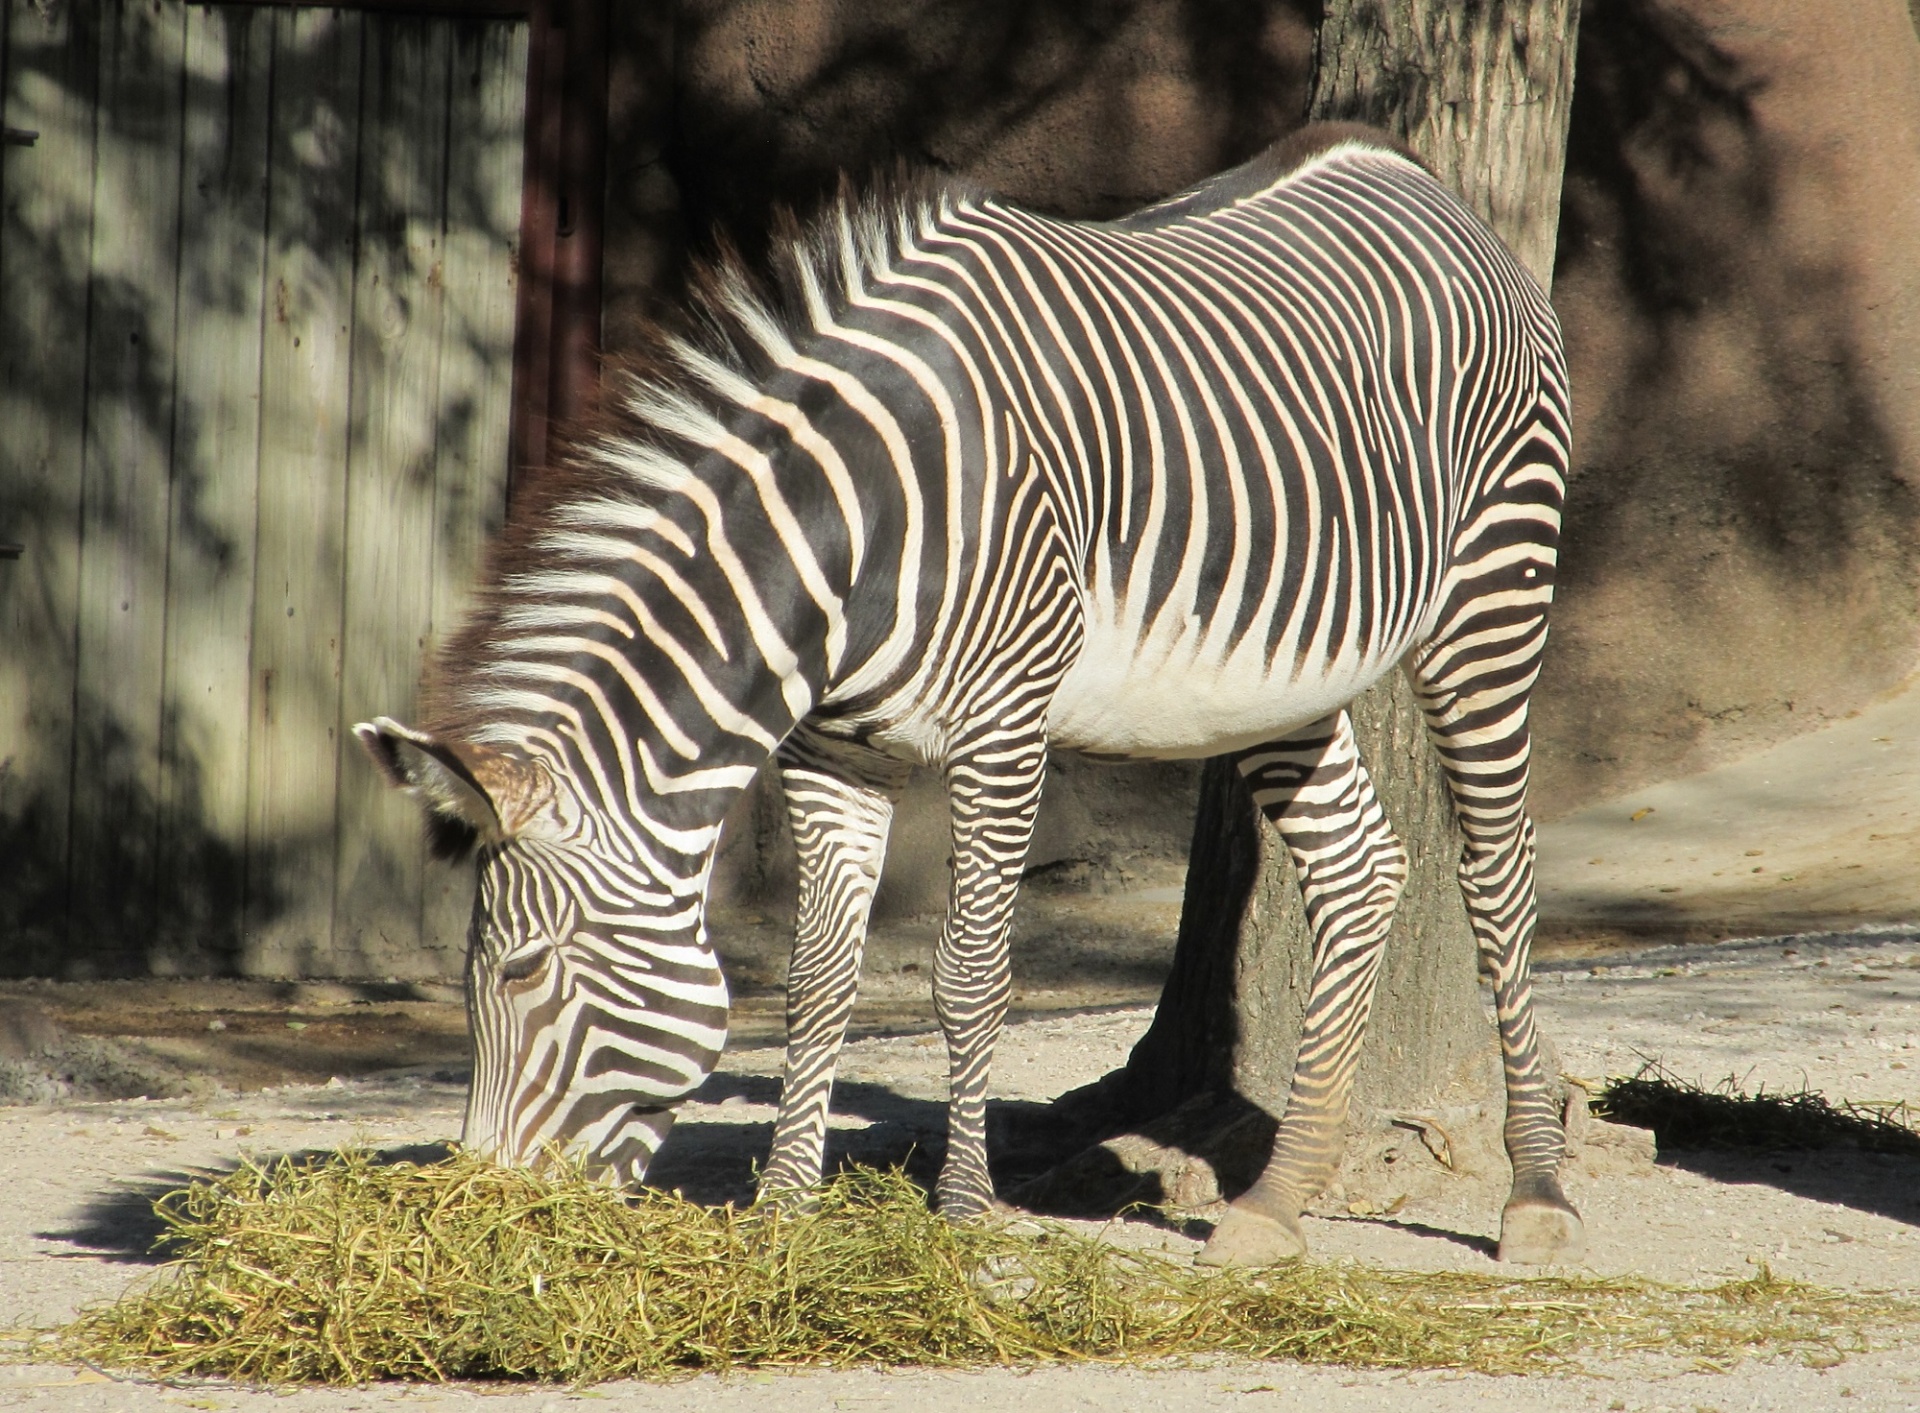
(1684, 1115)
(349, 1270)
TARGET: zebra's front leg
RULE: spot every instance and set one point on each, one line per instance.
(993, 791)
(840, 803)
(1352, 870)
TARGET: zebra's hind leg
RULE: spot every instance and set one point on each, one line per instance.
(1475, 702)
(840, 803)
(993, 792)
(1352, 870)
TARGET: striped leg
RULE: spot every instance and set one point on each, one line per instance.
(1473, 689)
(1352, 870)
(994, 793)
(840, 802)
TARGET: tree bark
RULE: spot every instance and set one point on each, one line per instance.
(1482, 92)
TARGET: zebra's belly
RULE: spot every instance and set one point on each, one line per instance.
(1122, 698)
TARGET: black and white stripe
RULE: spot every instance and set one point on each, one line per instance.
(979, 482)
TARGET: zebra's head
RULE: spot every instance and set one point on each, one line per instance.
(594, 1002)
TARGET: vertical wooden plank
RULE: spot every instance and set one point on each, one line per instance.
(579, 247)
(399, 280)
(124, 492)
(293, 746)
(203, 759)
(543, 123)
(46, 229)
(6, 68)
(486, 126)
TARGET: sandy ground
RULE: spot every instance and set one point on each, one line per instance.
(1841, 1014)
(1820, 831)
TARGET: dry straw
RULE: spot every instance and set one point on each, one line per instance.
(348, 1270)
(1684, 1115)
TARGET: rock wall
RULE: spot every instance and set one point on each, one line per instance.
(1739, 229)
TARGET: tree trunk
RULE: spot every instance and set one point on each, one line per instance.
(1482, 92)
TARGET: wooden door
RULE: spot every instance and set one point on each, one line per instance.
(256, 343)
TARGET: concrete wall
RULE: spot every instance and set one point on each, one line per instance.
(1738, 233)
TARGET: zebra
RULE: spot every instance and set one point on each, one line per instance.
(967, 482)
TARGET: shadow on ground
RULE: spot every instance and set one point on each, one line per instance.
(121, 1224)
(1480, 1245)
(1885, 1184)
(714, 1160)
(707, 1160)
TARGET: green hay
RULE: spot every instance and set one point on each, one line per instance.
(348, 1270)
(1684, 1115)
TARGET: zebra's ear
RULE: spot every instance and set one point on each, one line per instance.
(432, 770)
(490, 793)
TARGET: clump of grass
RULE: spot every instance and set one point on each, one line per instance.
(1684, 1115)
(348, 1270)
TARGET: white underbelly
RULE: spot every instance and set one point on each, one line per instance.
(1120, 698)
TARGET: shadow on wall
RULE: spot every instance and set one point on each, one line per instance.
(103, 822)
(254, 407)
(177, 903)
(724, 111)
(1739, 561)
(1084, 109)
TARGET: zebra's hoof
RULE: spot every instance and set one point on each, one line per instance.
(1537, 1231)
(1248, 1238)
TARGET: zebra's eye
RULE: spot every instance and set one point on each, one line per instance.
(526, 964)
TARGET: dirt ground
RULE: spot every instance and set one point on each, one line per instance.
(268, 1068)
(1075, 953)
(1821, 831)
(1840, 1013)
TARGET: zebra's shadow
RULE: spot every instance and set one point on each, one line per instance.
(712, 1158)
(709, 1158)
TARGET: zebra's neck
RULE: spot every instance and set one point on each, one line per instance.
(658, 638)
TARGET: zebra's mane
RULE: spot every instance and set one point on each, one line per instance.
(659, 407)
